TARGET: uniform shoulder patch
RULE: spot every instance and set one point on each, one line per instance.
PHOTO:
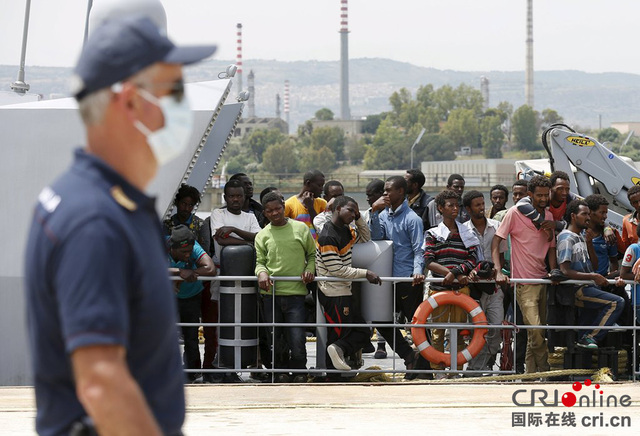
(122, 199)
(49, 199)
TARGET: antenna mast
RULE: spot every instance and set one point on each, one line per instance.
(20, 86)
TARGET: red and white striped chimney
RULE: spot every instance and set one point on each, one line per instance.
(239, 56)
(344, 16)
(345, 112)
(286, 103)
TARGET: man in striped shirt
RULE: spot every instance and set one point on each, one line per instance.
(333, 259)
(451, 253)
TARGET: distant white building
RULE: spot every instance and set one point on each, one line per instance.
(248, 125)
(625, 127)
(476, 172)
(349, 127)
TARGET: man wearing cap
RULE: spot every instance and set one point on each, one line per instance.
(101, 311)
(188, 260)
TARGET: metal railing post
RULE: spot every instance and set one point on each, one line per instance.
(321, 336)
(514, 335)
(453, 349)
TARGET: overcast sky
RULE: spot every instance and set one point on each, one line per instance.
(466, 35)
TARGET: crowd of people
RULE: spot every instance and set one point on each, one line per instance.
(455, 239)
(101, 311)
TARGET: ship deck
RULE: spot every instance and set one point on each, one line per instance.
(399, 408)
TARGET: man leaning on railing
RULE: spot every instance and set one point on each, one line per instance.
(333, 259)
(450, 252)
(530, 246)
(573, 257)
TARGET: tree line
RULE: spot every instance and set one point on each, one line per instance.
(452, 117)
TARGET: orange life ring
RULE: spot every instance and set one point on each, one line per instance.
(419, 334)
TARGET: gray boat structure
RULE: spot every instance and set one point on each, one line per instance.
(39, 138)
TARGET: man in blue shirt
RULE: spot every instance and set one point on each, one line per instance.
(398, 223)
(188, 260)
(101, 313)
(606, 261)
(573, 260)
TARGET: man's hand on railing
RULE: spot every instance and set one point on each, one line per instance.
(501, 279)
(264, 281)
(463, 280)
(307, 277)
(600, 280)
(373, 278)
(188, 275)
(418, 279)
(448, 279)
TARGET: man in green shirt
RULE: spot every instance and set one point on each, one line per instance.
(285, 247)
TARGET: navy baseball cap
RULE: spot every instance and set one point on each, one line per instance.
(120, 48)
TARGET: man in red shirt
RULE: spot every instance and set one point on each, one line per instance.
(630, 222)
(530, 247)
(559, 194)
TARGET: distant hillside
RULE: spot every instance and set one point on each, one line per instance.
(578, 96)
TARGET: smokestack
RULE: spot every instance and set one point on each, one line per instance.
(252, 95)
(286, 103)
(484, 89)
(277, 105)
(528, 75)
(345, 113)
(239, 57)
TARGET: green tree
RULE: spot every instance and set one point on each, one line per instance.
(434, 147)
(324, 114)
(549, 117)
(609, 135)
(330, 137)
(281, 158)
(258, 141)
(371, 123)
(425, 96)
(525, 128)
(398, 100)
(446, 99)
(355, 150)
(491, 136)
(322, 158)
(467, 97)
(389, 148)
(506, 108)
(462, 128)
(305, 129)
(430, 120)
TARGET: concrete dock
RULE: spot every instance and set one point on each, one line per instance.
(380, 409)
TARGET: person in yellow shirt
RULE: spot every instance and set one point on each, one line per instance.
(307, 204)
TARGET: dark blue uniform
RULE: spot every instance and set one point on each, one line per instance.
(96, 274)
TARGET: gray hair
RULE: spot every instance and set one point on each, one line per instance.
(93, 106)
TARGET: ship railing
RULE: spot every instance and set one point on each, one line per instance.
(395, 370)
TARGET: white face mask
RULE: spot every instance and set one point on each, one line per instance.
(169, 141)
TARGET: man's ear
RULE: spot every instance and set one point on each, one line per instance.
(129, 100)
